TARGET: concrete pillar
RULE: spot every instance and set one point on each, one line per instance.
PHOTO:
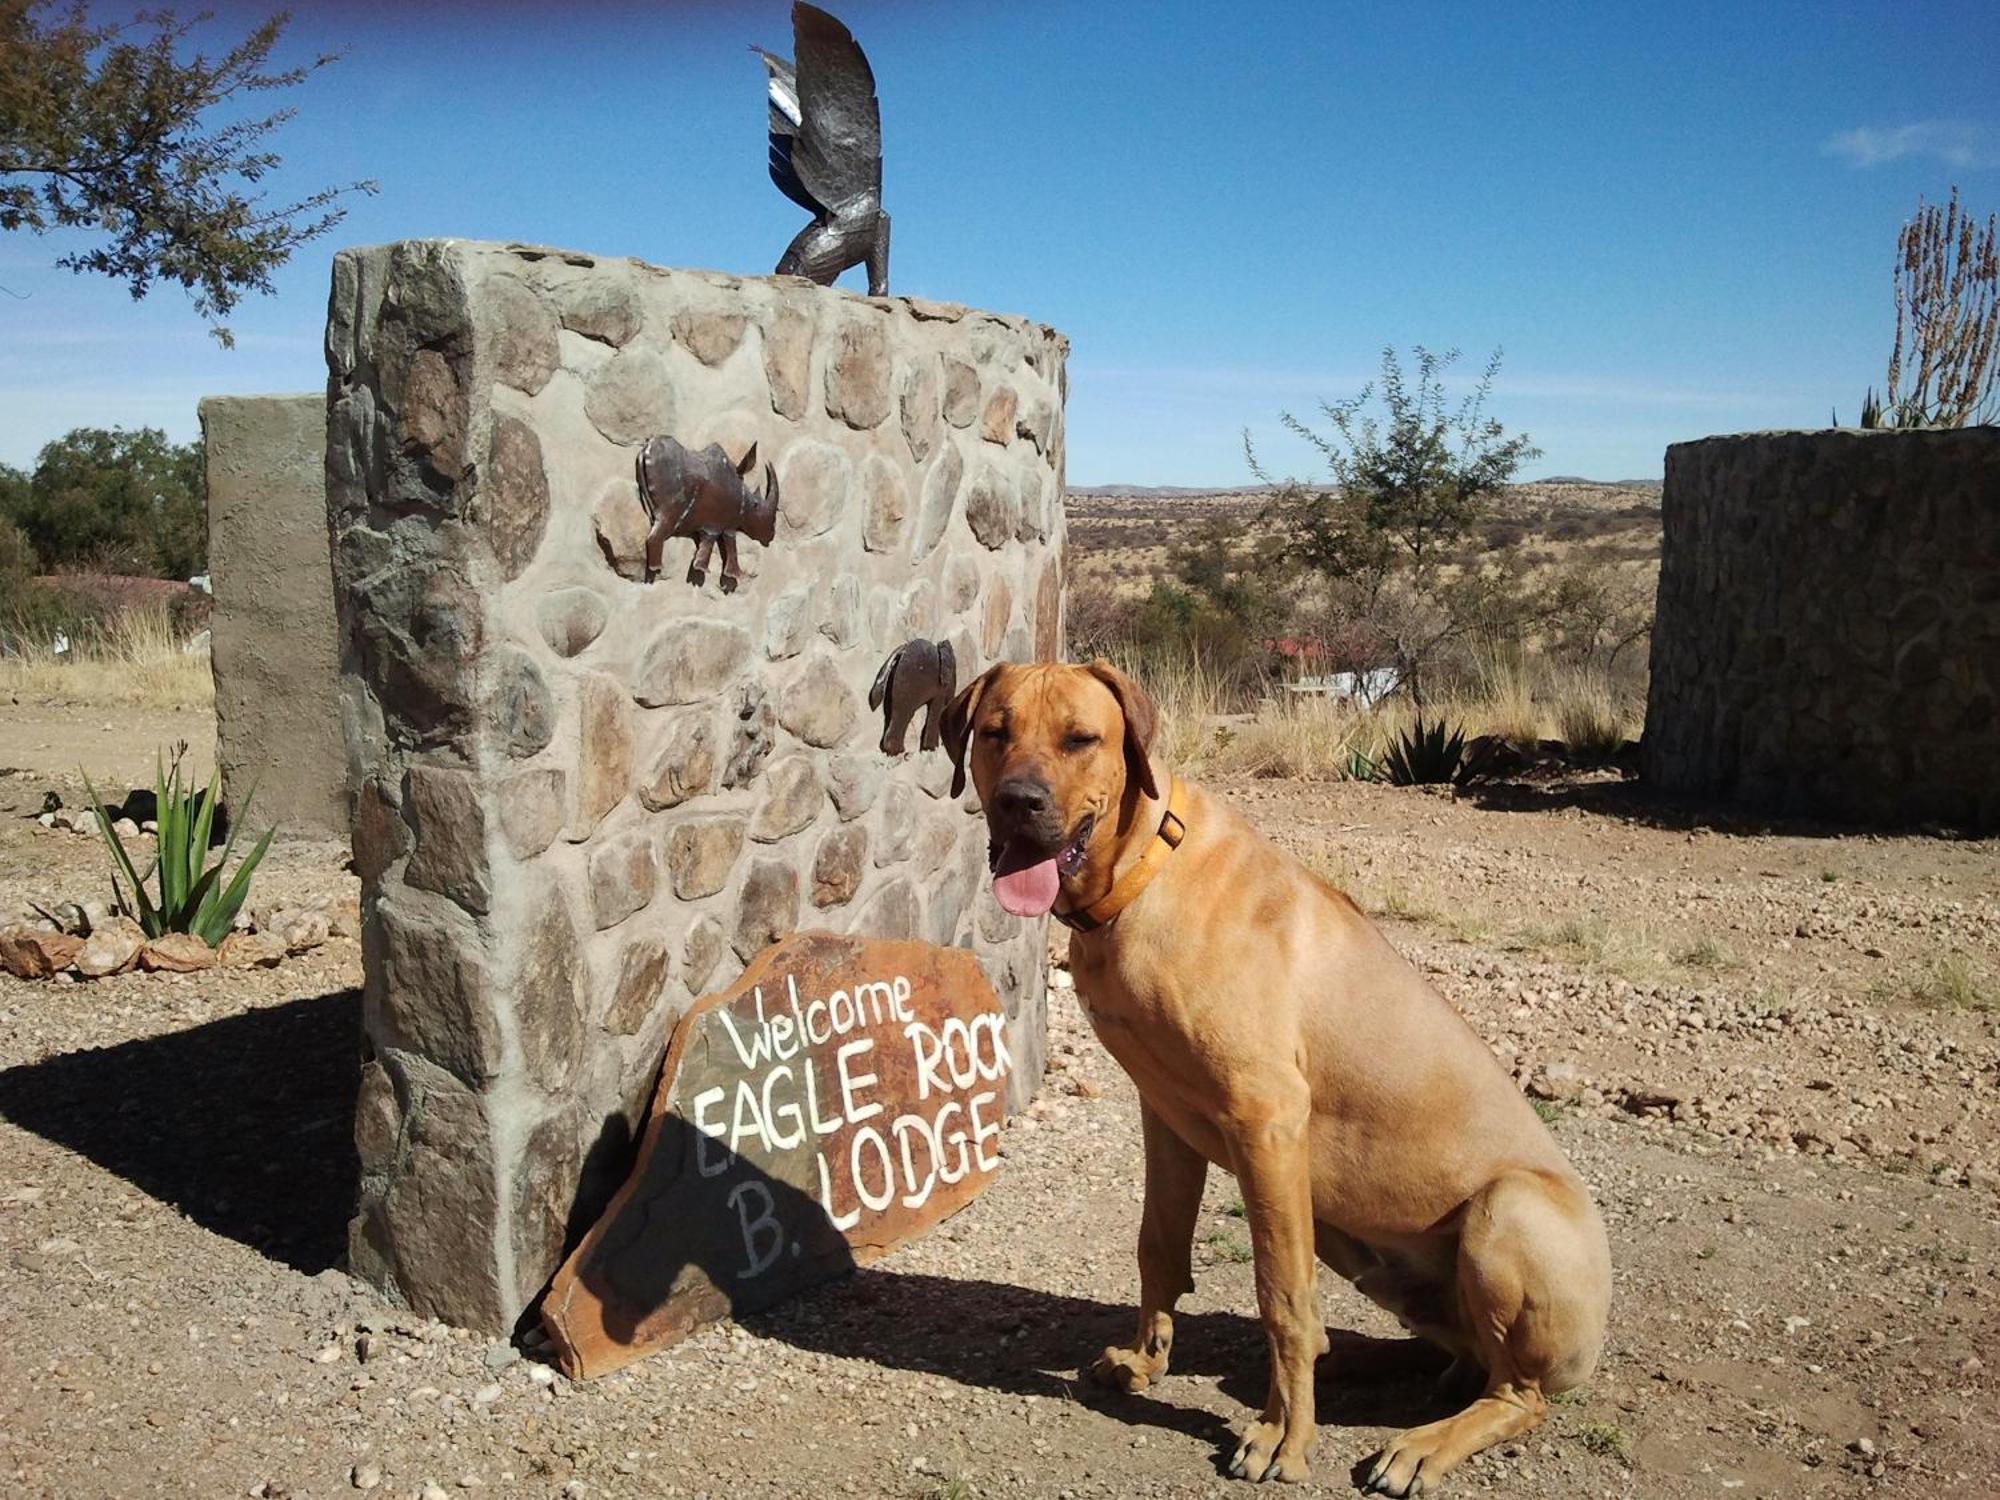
(277, 669)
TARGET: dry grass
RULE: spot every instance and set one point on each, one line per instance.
(1704, 951)
(1313, 738)
(1301, 737)
(138, 661)
(1190, 696)
(1950, 983)
(1509, 710)
(1590, 720)
(1631, 950)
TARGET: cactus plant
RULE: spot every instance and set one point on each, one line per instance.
(190, 895)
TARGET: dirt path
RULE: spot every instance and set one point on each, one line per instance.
(1792, 1139)
(48, 743)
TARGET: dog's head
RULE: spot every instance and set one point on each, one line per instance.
(1060, 757)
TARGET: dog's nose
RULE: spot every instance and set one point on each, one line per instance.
(1021, 800)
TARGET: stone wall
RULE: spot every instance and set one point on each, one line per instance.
(1828, 639)
(585, 801)
(277, 667)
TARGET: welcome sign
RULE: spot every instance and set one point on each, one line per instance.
(844, 1095)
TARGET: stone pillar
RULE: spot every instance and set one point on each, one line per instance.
(1828, 633)
(277, 670)
(585, 801)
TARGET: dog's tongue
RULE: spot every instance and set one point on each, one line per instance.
(1027, 890)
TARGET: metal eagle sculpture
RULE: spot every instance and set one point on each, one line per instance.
(826, 151)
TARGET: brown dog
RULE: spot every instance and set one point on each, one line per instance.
(1272, 1030)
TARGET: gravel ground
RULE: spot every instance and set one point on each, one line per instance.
(1750, 1046)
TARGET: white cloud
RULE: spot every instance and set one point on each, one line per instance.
(1957, 143)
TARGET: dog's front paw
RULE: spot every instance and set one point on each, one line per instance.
(1265, 1454)
(1407, 1467)
(1127, 1370)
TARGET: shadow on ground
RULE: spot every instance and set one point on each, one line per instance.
(1632, 801)
(246, 1125)
(1026, 1342)
(678, 1249)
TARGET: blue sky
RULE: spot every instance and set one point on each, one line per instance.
(1677, 220)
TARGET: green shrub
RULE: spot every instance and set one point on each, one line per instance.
(191, 896)
(35, 614)
(114, 501)
(18, 562)
(1606, 1440)
(1425, 754)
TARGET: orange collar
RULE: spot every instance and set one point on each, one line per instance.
(1173, 828)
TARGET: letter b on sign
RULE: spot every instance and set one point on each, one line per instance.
(763, 1235)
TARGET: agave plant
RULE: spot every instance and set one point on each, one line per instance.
(1425, 754)
(190, 895)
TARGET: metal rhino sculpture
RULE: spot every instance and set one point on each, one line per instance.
(918, 674)
(703, 495)
(826, 151)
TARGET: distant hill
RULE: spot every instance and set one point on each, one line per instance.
(1163, 491)
(1195, 491)
(1121, 537)
(1607, 484)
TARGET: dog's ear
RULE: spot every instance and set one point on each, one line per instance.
(957, 726)
(1142, 722)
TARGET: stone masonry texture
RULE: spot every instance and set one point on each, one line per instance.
(275, 656)
(583, 801)
(1828, 633)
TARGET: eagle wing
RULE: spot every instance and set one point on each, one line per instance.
(782, 91)
(836, 153)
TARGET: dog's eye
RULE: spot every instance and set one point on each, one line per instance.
(997, 733)
(1081, 741)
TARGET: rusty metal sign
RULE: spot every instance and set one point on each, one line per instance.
(840, 1098)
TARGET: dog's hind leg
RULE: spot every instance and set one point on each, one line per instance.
(1534, 1278)
(1175, 1176)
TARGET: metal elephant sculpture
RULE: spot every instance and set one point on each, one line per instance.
(703, 495)
(918, 674)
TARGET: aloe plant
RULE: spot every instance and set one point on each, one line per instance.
(190, 895)
(1425, 754)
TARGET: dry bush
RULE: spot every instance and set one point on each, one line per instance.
(1589, 718)
(1096, 621)
(1507, 706)
(1190, 695)
(138, 659)
(1316, 738)
(1307, 737)
(1948, 307)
